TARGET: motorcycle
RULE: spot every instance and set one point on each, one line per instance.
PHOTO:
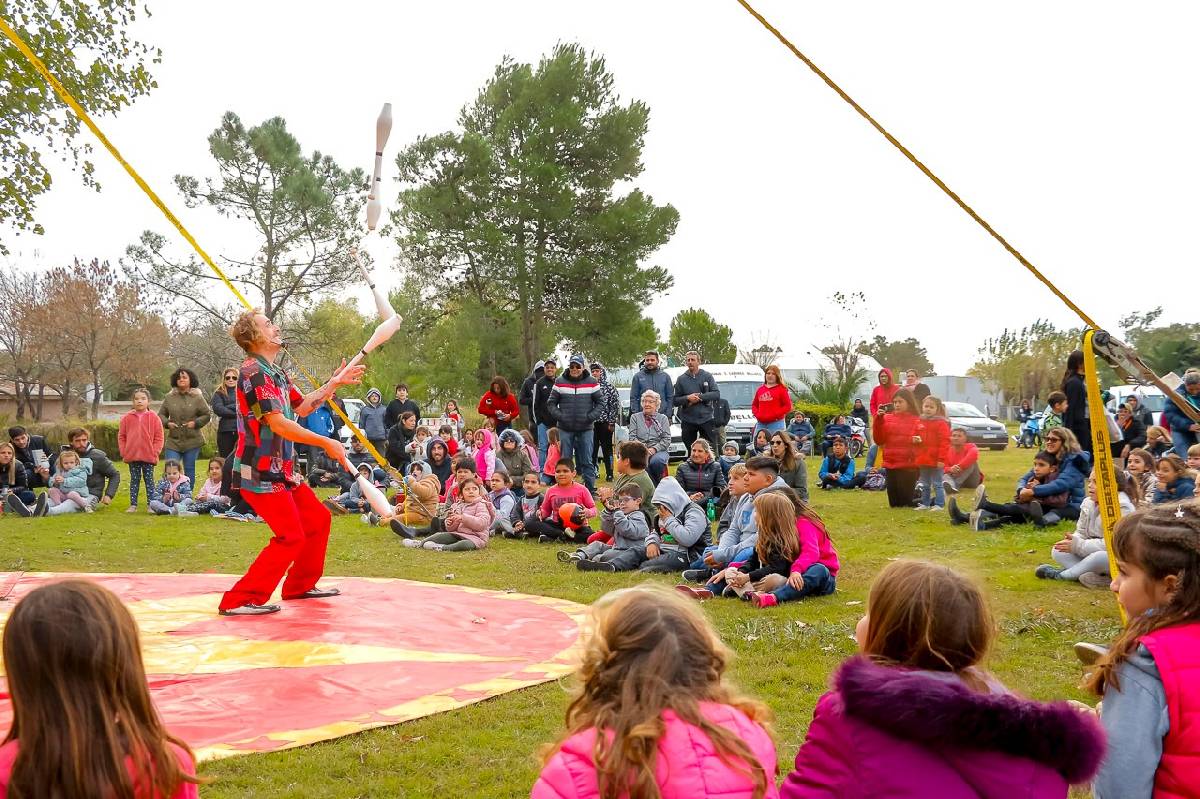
(1031, 433)
(858, 437)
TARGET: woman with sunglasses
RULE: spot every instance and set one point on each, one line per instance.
(791, 465)
(224, 405)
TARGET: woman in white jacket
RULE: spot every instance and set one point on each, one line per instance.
(1082, 555)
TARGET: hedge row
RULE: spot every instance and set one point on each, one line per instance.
(103, 434)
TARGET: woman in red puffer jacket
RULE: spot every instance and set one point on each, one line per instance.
(899, 432)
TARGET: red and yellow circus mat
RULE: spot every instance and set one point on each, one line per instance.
(384, 652)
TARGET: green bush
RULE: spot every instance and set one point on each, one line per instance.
(103, 434)
(819, 415)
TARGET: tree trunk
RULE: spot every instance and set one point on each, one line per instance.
(66, 398)
(40, 402)
(95, 395)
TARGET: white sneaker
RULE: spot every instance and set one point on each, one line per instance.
(432, 546)
(937, 508)
(411, 543)
(921, 507)
(949, 487)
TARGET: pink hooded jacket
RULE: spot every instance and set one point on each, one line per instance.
(688, 764)
(485, 458)
(476, 522)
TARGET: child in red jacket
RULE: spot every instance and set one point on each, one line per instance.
(932, 453)
(898, 430)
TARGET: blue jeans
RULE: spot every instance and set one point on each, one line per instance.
(741, 557)
(543, 444)
(817, 582)
(188, 459)
(872, 453)
(931, 483)
(770, 427)
(1182, 440)
(578, 447)
(657, 467)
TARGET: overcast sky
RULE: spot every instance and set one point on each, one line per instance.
(1070, 126)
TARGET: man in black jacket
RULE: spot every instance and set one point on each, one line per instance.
(26, 446)
(696, 394)
(541, 395)
(391, 414)
(576, 405)
(525, 398)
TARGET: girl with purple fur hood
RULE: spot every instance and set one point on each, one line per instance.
(915, 716)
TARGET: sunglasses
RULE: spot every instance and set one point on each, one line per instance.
(776, 443)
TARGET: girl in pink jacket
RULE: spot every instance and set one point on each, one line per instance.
(916, 715)
(468, 524)
(651, 685)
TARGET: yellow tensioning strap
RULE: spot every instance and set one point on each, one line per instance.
(1103, 472)
(74, 105)
(917, 163)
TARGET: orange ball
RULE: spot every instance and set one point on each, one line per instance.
(565, 512)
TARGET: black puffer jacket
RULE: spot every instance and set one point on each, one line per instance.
(541, 396)
(574, 404)
(225, 407)
(708, 479)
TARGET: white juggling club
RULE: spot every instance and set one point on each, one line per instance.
(373, 495)
(383, 331)
(383, 129)
(382, 306)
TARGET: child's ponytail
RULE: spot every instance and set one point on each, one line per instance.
(1162, 541)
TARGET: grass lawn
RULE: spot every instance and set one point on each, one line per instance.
(785, 655)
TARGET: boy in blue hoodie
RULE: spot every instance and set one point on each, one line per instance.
(837, 470)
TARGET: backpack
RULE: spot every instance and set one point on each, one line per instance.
(876, 481)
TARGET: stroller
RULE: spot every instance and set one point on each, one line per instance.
(1031, 432)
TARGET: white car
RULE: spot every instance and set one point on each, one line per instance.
(980, 429)
(353, 406)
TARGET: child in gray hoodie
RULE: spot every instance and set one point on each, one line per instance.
(624, 521)
(680, 533)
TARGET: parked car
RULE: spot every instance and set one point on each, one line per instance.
(353, 406)
(980, 429)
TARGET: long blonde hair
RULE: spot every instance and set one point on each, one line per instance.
(776, 527)
(12, 464)
(651, 650)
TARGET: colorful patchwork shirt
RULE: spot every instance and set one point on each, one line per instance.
(262, 460)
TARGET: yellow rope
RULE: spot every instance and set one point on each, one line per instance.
(917, 163)
(74, 105)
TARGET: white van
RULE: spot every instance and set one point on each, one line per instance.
(737, 383)
(1149, 398)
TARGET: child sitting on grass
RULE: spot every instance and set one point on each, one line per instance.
(730, 457)
(69, 482)
(812, 573)
(774, 550)
(419, 508)
(1158, 441)
(468, 525)
(1082, 555)
(626, 526)
(1147, 677)
(1193, 457)
(209, 499)
(548, 525)
(172, 493)
(514, 457)
(83, 721)
(503, 500)
(990, 515)
(653, 715)
(527, 506)
(351, 501)
(837, 469)
(915, 714)
(1142, 466)
(1175, 482)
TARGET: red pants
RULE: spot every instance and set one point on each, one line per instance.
(301, 527)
